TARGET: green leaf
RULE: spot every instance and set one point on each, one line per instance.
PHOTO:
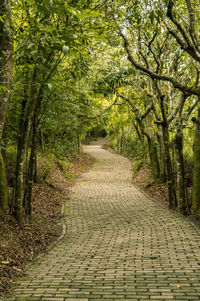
(43, 9)
(5, 262)
(3, 89)
(2, 18)
(152, 17)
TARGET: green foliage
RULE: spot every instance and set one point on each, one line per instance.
(65, 167)
(71, 79)
(3, 89)
(45, 165)
(10, 163)
(136, 165)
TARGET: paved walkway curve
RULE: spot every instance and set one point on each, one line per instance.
(120, 245)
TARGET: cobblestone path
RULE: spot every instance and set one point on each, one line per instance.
(120, 245)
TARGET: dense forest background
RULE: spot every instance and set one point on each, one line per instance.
(73, 70)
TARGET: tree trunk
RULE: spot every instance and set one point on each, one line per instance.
(6, 48)
(196, 170)
(21, 149)
(141, 138)
(78, 143)
(35, 173)
(159, 136)
(153, 153)
(3, 186)
(170, 178)
(169, 173)
(180, 169)
(21, 153)
(30, 179)
(121, 139)
(32, 159)
(154, 162)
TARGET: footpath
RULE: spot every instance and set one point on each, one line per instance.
(119, 245)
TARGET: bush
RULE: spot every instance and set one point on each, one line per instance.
(45, 163)
(65, 167)
(136, 165)
(10, 164)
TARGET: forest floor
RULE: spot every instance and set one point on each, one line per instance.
(144, 182)
(20, 246)
(158, 192)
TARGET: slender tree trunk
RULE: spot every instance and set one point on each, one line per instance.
(26, 111)
(161, 154)
(196, 170)
(35, 174)
(6, 48)
(170, 178)
(180, 169)
(3, 186)
(28, 202)
(141, 138)
(121, 139)
(153, 153)
(19, 173)
(154, 162)
(30, 176)
(41, 140)
(78, 143)
(21, 152)
(32, 159)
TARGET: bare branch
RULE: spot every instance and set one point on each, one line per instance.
(155, 58)
(191, 109)
(177, 108)
(185, 89)
(192, 24)
(140, 49)
(135, 110)
(189, 46)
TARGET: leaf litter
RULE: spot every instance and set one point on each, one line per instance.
(20, 246)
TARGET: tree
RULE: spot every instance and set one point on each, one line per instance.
(149, 48)
(6, 49)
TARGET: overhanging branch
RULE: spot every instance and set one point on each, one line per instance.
(185, 89)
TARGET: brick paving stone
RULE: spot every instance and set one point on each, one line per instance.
(120, 245)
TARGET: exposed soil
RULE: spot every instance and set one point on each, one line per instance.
(20, 246)
(144, 181)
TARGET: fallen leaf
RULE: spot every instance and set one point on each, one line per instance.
(17, 269)
(5, 262)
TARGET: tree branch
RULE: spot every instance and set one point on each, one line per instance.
(190, 46)
(177, 108)
(192, 24)
(135, 110)
(191, 109)
(185, 89)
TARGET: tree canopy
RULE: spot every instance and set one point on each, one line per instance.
(130, 67)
